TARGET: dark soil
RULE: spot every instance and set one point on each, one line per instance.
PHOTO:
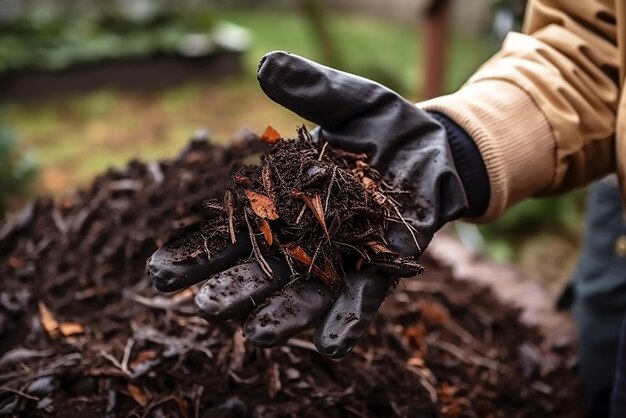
(83, 332)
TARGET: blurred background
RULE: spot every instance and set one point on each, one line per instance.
(88, 85)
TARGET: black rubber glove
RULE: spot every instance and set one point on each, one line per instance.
(404, 143)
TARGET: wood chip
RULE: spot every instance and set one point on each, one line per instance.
(270, 136)
(138, 395)
(71, 328)
(50, 324)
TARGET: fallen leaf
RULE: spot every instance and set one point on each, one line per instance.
(315, 204)
(261, 205)
(267, 232)
(50, 324)
(138, 395)
(299, 254)
(270, 136)
(71, 328)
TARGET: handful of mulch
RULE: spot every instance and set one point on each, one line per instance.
(316, 206)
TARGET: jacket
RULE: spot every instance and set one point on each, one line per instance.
(548, 111)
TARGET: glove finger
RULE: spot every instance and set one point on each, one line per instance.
(169, 273)
(352, 312)
(284, 314)
(234, 292)
(320, 94)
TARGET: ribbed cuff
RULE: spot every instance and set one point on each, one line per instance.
(512, 134)
(469, 165)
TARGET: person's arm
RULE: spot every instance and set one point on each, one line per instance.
(542, 110)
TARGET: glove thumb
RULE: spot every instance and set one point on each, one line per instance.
(322, 95)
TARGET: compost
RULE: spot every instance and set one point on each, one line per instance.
(84, 333)
(315, 207)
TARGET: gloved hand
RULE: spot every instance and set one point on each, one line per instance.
(406, 144)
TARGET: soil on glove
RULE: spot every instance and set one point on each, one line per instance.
(84, 333)
(316, 207)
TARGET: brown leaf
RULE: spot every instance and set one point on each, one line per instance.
(50, 324)
(299, 254)
(270, 136)
(138, 395)
(315, 204)
(261, 205)
(71, 328)
(267, 232)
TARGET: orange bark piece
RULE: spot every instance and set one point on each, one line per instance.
(261, 205)
(270, 136)
(267, 231)
(138, 395)
(49, 322)
(299, 254)
(71, 328)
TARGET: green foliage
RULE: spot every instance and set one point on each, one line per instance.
(54, 43)
(17, 169)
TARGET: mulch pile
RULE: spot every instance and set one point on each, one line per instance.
(84, 333)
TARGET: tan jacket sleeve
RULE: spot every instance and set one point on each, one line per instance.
(542, 110)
